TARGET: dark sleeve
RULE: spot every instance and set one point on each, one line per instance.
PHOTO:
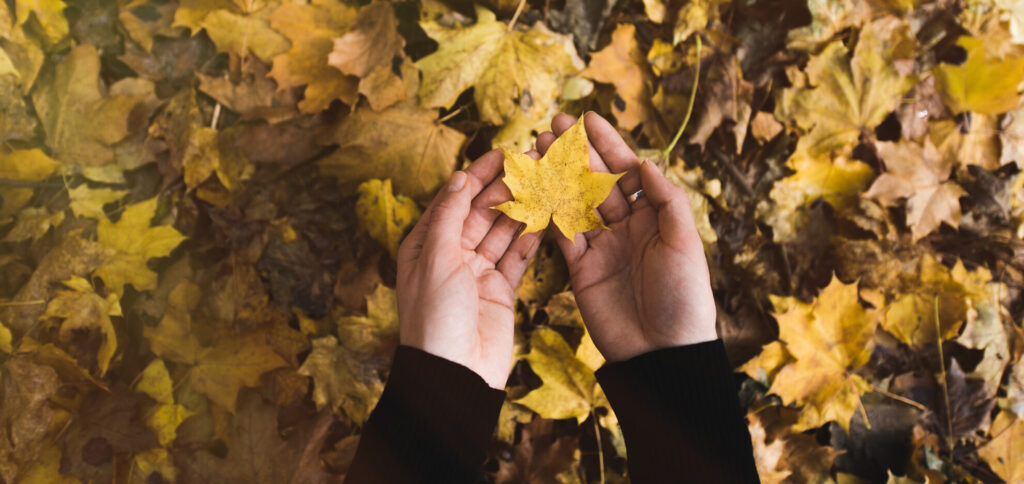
(680, 416)
(433, 423)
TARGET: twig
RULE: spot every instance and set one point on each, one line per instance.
(27, 184)
(452, 114)
(600, 450)
(515, 16)
(689, 110)
(860, 403)
(216, 116)
(21, 303)
(902, 399)
(945, 385)
(731, 168)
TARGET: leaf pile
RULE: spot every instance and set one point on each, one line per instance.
(200, 203)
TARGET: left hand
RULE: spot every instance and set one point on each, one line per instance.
(457, 273)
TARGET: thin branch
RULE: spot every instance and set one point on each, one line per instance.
(945, 384)
(600, 449)
(515, 16)
(689, 110)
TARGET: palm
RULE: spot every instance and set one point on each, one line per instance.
(643, 284)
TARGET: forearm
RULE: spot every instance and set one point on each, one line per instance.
(432, 424)
(680, 416)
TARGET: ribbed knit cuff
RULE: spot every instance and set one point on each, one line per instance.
(433, 422)
(680, 415)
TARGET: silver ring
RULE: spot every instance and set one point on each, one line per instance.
(637, 195)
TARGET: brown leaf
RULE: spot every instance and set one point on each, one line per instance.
(540, 455)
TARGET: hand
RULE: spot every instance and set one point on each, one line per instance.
(644, 284)
(457, 270)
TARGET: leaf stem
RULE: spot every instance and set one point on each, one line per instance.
(597, 437)
(945, 384)
(515, 16)
(689, 110)
(860, 403)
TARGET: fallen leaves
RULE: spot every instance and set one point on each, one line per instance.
(200, 203)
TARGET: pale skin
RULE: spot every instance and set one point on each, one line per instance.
(640, 287)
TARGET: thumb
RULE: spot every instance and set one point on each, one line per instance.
(675, 219)
(444, 232)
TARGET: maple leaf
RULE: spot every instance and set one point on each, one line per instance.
(341, 380)
(403, 143)
(25, 411)
(936, 291)
(88, 202)
(569, 388)
(135, 243)
(218, 371)
(828, 17)
(1003, 452)
(155, 381)
(621, 63)
(22, 165)
(540, 455)
(234, 26)
(383, 215)
(847, 96)
(82, 310)
(81, 123)
(766, 457)
(49, 15)
(1015, 390)
(371, 45)
(509, 70)
(235, 362)
(828, 339)
(985, 331)
(919, 174)
(312, 27)
(983, 83)
(560, 187)
(975, 143)
(33, 223)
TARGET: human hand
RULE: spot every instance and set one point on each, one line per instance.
(457, 271)
(644, 284)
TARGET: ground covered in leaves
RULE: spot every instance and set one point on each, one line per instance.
(202, 200)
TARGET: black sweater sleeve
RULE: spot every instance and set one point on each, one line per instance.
(433, 423)
(680, 416)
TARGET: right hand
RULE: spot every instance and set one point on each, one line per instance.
(644, 284)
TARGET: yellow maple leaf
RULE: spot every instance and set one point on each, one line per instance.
(135, 243)
(312, 28)
(621, 64)
(173, 338)
(403, 143)
(22, 165)
(383, 215)
(935, 291)
(983, 83)
(88, 202)
(240, 27)
(50, 17)
(1003, 453)
(237, 361)
(973, 143)
(560, 187)
(341, 380)
(569, 388)
(155, 381)
(828, 339)
(510, 71)
(82, 310)
(849, 95)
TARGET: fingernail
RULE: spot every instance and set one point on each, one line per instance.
(458, 181)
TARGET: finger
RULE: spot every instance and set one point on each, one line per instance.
(449, 213)
(613, 150)
(518, 256)
(675, 220)
(482, 216)
(493, 247)
(544, 141)
(615, 207)
(484, 170)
